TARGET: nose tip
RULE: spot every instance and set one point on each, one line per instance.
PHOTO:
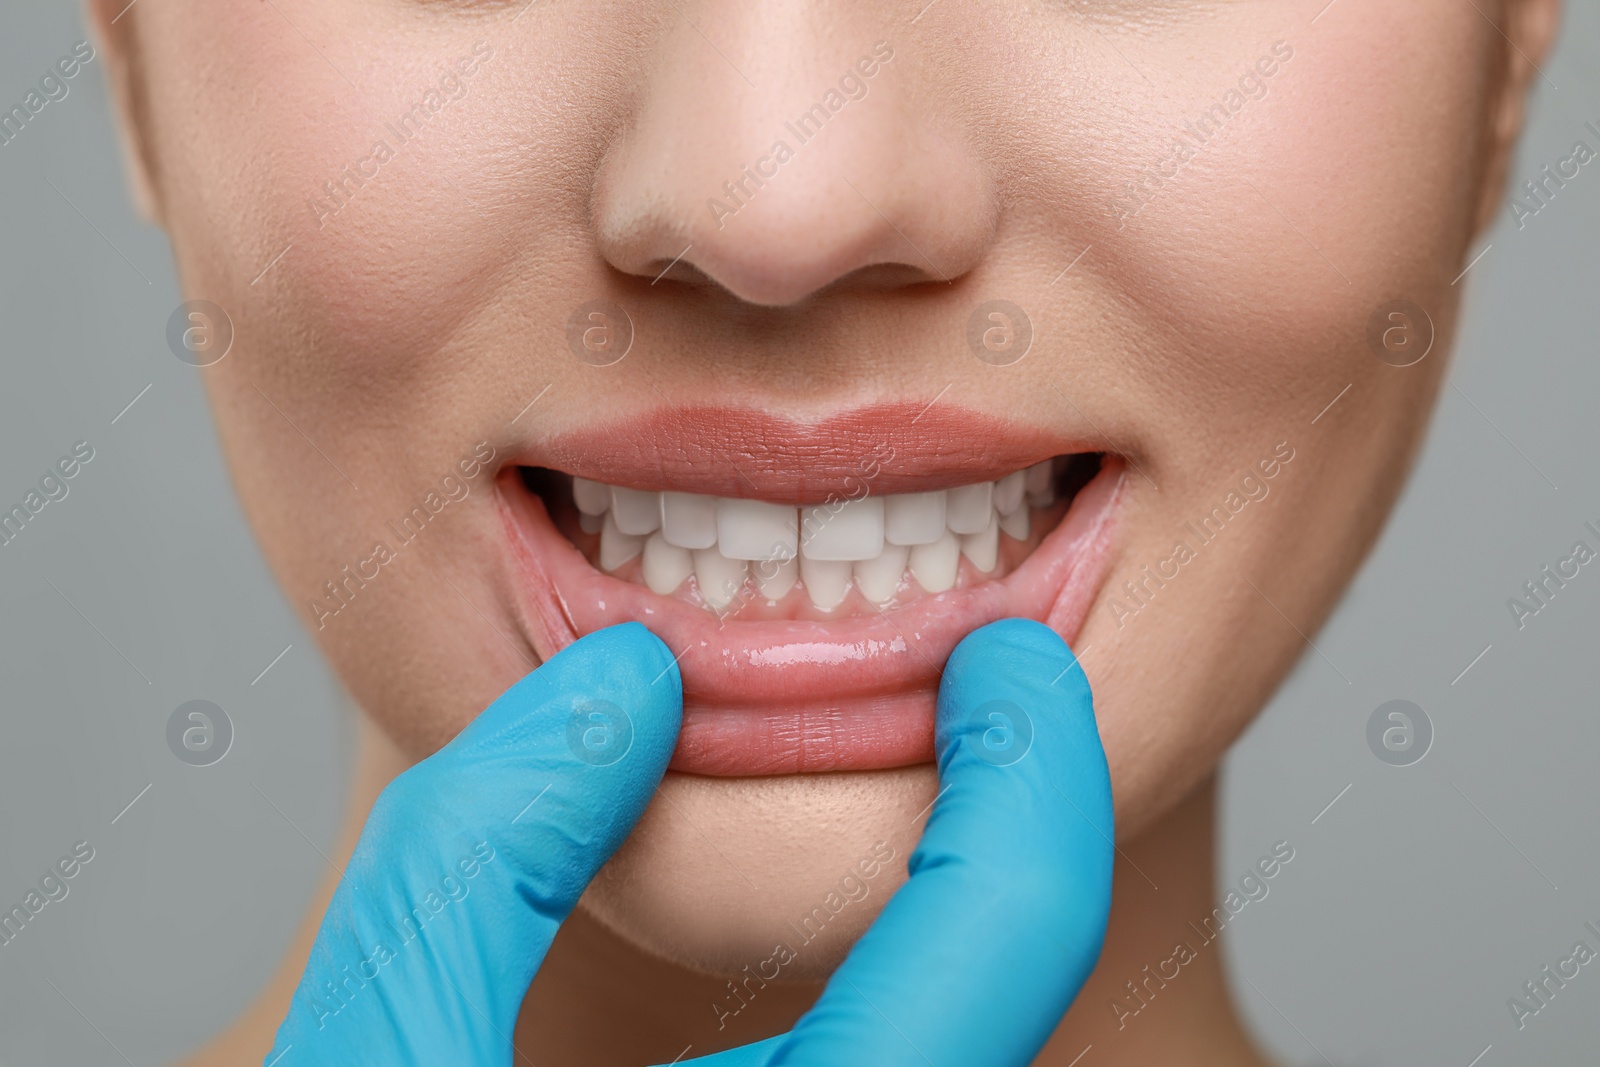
(777, 244)
(779, 191)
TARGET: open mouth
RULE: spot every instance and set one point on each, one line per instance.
(812, 580)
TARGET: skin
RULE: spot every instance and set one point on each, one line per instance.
(420, 319)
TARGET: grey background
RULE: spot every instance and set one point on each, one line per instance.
(1415, 906)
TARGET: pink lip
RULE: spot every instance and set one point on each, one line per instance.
(738, 452)
(801, 696)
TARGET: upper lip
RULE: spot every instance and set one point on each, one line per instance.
(734, 451)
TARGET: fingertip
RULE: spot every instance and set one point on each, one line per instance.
(1018, 643)
(615, 690)
(630, 666)
(1015, 660)
(625, 657)
(633, 640)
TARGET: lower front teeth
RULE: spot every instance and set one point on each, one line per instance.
(878, 579)
(719, 577)
(775, 577)
(616, 547)
(1008, 492)
(874, 542)
(1015, 525)
(983, 547)
(934, 566)
(665, 565)
(827, 581)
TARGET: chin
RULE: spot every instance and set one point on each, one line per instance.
(780, 872)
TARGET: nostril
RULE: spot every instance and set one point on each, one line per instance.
(799, 242)
(880, 276)
(678, 271)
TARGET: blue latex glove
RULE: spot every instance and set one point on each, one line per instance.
(486, 846)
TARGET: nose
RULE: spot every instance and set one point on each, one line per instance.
(776, 152)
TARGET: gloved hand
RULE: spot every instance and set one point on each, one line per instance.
(471, 860)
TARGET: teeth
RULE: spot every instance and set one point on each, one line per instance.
(1041, 490)
(592, 498)
(775, 577)
(878, 578)
(874, 541)
(934, 566)
(753, 529)
(1015, 525)
(967, 509)
(637, 512)
(827, 581)
(718, 577)
(665, 565)
(689, 520)
(1008, 492)
(913, 518)
(852, 530)
(1037, 477)
(616, 547)
(983, 548)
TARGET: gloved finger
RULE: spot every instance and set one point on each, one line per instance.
(471, 859)
(976, 958)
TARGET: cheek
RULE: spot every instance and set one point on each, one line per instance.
(388, 272)
(342, 206)
(1323, 199)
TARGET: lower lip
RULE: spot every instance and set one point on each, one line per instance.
(802, 696)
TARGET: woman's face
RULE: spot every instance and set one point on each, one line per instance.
(789, 255)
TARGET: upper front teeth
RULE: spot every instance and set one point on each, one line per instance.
(968, 509)
(875, 539)
(636, 511)
(687, 519)
(849, 530)
(752, 529)
(913, 518)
